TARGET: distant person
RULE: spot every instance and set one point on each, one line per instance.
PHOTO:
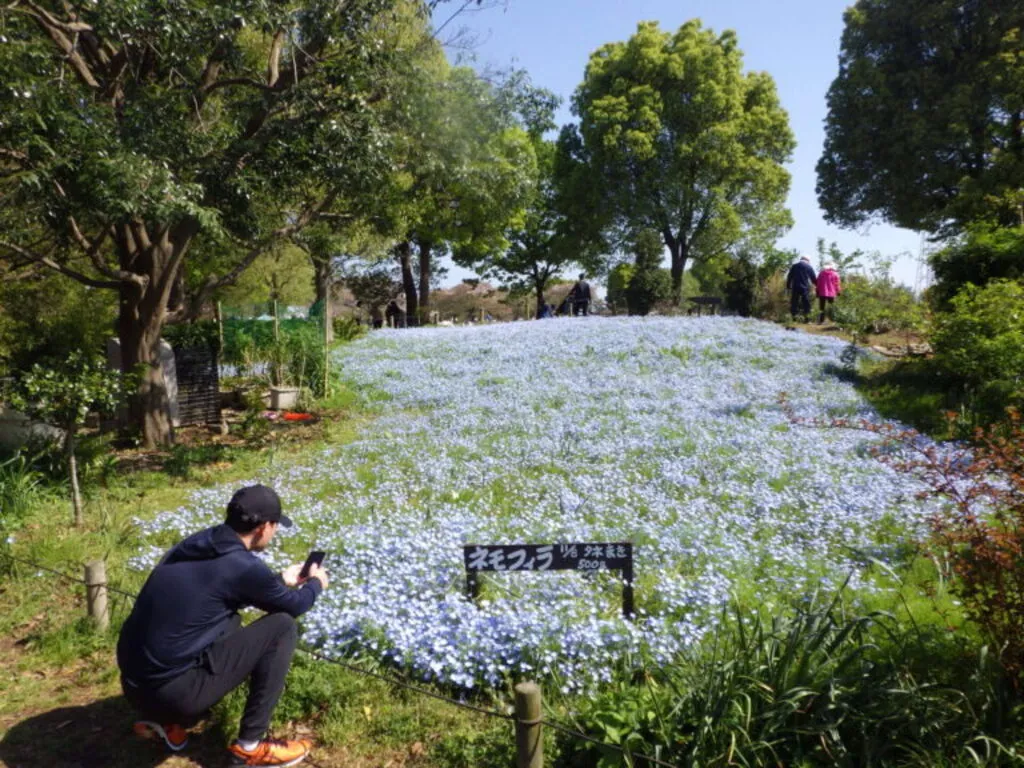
(394, 314)
(546, 311)
(183, 648)
(828, 288)
(581, 296)
(798, 282)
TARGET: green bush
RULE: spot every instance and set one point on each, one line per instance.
(874, 305)
(188, 335)
(820, 686)
(347, 329)
(618, 279)
(649, 283)
(985, 253)
(981, 339)
(43, 319)
(295, 358)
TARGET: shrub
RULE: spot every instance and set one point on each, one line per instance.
(347, 329)
(771, 301)
(982, 535)
(618, 280)
(63, 396)
(875, 305)
(981, 339)
(649, 283)
(295, 358)
(985, 253)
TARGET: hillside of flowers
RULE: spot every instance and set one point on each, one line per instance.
(665, 432)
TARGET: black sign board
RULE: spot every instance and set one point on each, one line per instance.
(198, 385)
(480, 558)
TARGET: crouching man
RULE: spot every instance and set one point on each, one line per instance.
(183, 649)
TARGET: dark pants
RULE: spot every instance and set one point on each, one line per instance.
(260, 653)
(582, 307)
(822, 302)
(800, 300)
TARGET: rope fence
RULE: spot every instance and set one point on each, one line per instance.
(528, 704)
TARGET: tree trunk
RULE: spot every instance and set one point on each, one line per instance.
(139, 333)
(678, 250)
(322, 284)
(539, 286)
(141, 314)
(76, 494)
(408, 283)
(425, 255)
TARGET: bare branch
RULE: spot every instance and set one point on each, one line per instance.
(274, 62)
(56, 30)
(64, 269)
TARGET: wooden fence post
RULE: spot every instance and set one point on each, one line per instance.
(529, 739)
(96, 593)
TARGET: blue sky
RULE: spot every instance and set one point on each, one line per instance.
(796, 41)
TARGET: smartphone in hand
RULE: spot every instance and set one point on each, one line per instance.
(315, 558)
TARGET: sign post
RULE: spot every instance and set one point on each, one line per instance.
(586, 557)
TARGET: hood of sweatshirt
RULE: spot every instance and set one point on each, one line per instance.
(206, 545)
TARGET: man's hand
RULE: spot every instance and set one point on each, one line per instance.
(290, 576)
(319, 573)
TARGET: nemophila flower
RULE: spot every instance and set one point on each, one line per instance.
(664, 432)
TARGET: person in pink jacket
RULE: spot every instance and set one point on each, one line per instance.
(828, 288)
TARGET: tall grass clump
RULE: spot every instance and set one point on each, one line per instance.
(20, 488)
(821, 684)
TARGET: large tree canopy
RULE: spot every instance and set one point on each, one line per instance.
(926, 117)
(135, 131)
(683, 142)
(464, 168)
(542, 242)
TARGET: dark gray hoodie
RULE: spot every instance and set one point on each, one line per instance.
(189, 602)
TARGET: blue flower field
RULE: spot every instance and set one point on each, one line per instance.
(666, 432)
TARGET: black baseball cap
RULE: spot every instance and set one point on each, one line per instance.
(256, 504)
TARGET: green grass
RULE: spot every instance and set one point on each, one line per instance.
(913, 392)
(59, 661)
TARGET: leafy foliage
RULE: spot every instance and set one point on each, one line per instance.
(871, 305)
(64, 396)
(148, 151)
(618, 280)
(980, 341)
(545, 240)
(43, 318)
(923, 128)
(186, 335)
(818, 685)
(679, 140)
(295, 358)
(982, 254)
(649, 283)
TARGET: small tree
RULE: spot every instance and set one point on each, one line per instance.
(618, 281)
(63, 397)
(649, 283)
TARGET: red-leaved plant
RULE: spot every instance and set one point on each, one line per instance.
(980, 533)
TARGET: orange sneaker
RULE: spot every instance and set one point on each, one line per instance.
(174, 736)
(280, 752)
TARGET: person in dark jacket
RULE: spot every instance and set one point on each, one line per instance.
(798, 282)
(183, 648)
(581, 296)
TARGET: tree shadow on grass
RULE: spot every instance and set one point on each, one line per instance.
(99, 735)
